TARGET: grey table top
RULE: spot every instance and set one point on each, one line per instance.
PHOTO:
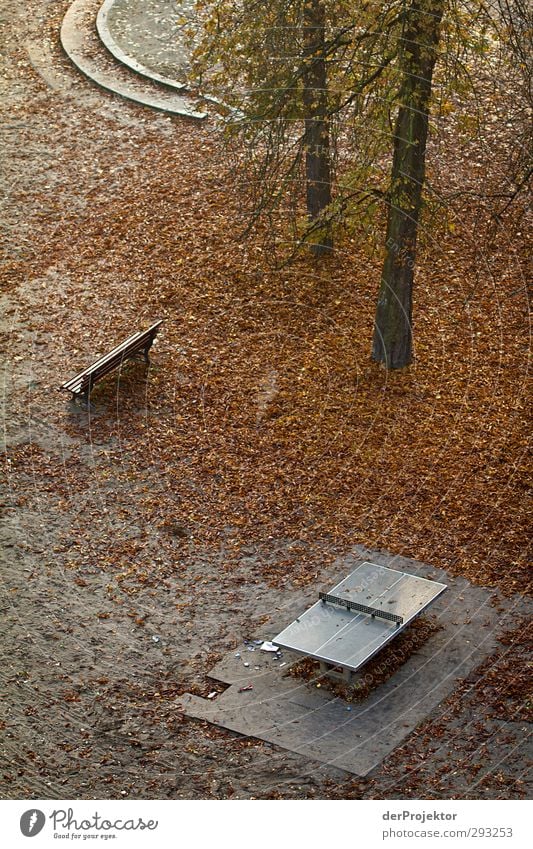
(349, 638)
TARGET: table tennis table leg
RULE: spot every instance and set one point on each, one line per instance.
(336, 673)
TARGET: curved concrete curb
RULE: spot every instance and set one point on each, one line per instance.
(109, 42)
(80, 42)
(106, 37)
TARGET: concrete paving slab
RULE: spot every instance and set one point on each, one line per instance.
(80, 41)
(357, 737)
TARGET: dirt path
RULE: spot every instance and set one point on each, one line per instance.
(96, 644)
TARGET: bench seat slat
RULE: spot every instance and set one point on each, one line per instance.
(122, 347)
(104, 366)
(82, 381)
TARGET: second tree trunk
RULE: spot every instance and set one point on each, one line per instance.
(392, 343)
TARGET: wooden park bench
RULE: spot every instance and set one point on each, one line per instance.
(139, 344)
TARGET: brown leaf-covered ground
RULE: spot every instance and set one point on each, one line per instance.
(260, 445)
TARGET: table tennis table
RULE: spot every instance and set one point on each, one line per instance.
(349, 624)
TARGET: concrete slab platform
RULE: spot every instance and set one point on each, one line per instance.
(357, 737)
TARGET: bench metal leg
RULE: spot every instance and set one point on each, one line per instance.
(81, 399)
(146, 351)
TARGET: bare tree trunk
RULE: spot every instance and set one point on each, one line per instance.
(317, 146)
(392, 343)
